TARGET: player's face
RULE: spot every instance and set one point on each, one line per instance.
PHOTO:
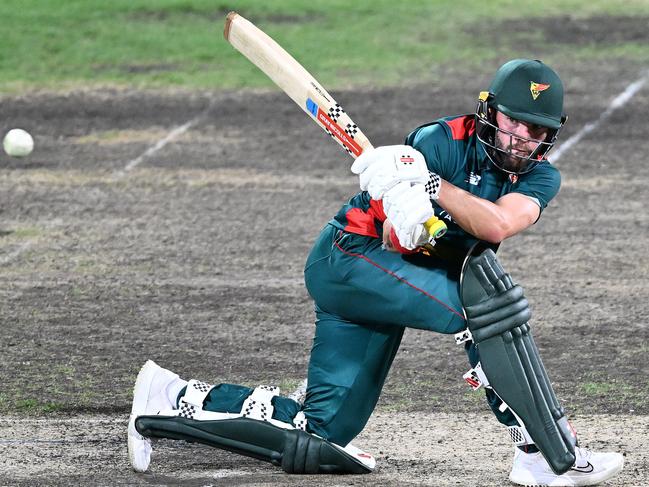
(517, 138)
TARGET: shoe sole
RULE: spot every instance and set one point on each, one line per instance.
(136, 443)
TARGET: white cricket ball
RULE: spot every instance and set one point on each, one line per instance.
(18, 143)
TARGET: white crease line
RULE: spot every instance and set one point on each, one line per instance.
(618, 102)
(176, 132)
(36, 441)
(221, 474)
(16, 253)
(14, 420)
(247, 282)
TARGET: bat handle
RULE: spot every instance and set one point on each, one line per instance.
(435, 227)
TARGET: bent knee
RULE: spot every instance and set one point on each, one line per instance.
(332, 416)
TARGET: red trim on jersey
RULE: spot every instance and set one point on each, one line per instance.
(376, 209)
(364, 222)
(360, 223)
(389, 272)
(462, 127)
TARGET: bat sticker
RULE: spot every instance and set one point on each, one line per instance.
(333, 128)
(312, 107)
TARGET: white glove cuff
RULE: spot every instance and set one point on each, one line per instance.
(433, 185)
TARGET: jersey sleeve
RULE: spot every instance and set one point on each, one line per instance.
(541, 185)
(433, 142)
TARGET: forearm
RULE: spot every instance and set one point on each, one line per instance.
(477, 216)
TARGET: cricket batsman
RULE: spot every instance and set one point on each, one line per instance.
(373, 271)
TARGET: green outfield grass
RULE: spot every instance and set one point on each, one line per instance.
(59, 44)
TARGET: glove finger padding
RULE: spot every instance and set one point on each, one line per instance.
(407, 207)
(407, 204)
(367, 158)
(370, 174)
(397, 198)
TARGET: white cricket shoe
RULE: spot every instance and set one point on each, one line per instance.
(149, 397)
(590, 468)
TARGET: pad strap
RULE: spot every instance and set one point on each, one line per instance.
(518, 433)
(476, 377)
(190, 406)
(300, 421)
(196, 392)
(463, 336)
(259, 404)
(520, 436)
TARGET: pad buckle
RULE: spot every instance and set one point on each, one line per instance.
(463, 336)
(476, 377)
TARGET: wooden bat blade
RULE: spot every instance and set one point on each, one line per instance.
(295, 81)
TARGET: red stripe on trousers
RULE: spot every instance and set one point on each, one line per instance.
(370, 261)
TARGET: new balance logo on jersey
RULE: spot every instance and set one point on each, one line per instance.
(474, 179)
(443, 214)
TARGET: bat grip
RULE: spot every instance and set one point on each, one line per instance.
(435, 227)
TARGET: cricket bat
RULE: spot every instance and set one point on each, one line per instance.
(304, 90)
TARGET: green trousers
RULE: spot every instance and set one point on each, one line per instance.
(364, 297)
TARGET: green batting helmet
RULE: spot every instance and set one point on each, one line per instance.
(526, 90)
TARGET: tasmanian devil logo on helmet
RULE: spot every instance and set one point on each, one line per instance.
(537, 88)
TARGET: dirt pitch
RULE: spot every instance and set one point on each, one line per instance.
(193, 256)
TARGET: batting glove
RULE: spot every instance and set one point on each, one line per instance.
(382, 168)
(408, 207)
